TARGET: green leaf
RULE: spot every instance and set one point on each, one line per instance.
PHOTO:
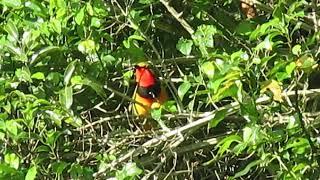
(296, 50)
(54, 77)
(12, 30)
(247, 168)
(62, 8)
(68, 72)
(38, 75)
(66, 97)
(130, 41)
(56, 117)
(76, 80)
(12, 127)
(267, 44)
(245, 28)
(127, 77)
(263, 29)
(298, 145)
(37, 56)
(130, 170)
(11, 3)
(156, 114)
(87, 46)
(307, 63)
(15, 50)
(32, 172)
(292, 123)
(225, 143)
(52, 137)
(59, 167)
(23, 74)
(184, 46)
(218, 117)
(204, 35)
(208, 69)
(12, 159)
(89, 9)
(248, 110)
(43, 148)
(28, 38)
(170, 106)
(74, 121)
(146, 1)
(290, 67)
(96, 86)
(183, 89)
(80, 16)
(108, 60)
(95, 22)
(252, 135)
(56, 25)
(2, 136)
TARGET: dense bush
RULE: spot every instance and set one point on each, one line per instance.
(242, 79)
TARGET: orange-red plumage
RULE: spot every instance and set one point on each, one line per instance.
(148, 91)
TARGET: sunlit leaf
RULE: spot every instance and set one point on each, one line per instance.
(170, 106)
(69, 71)
(95, 22)
(129, 170)
(56, 25)
(298, 145)
(12, 29)
(184, 46)
(68, 94)
(87, 46)
(80, 16)
(11, 3)
(208, 69)
(38, 75)
(31, 174)
(274, 87)
(296, 50)
(12, 159)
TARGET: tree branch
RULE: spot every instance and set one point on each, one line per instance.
(178, 17)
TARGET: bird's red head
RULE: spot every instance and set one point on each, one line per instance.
(144, 76)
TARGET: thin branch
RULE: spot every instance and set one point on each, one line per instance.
(178, 17)
(102, 120)
(230, 108)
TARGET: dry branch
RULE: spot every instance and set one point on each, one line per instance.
(178, 17)
(207, 117)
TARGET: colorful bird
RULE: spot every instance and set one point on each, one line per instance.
(149, 93)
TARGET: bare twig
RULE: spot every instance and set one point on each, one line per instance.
(230, 108)
(178, 17)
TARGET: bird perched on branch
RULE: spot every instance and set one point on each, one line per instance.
(149, 93)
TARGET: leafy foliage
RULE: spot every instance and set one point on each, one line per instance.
(243, 89)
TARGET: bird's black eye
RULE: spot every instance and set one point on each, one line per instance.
(152, 94)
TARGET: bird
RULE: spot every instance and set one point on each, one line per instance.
(149, 92)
